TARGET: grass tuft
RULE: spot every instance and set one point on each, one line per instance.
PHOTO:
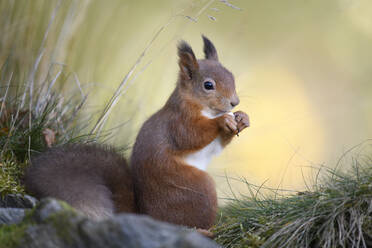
(35, 112)
(337, 212)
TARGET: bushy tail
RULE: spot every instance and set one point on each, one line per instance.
(88, 177)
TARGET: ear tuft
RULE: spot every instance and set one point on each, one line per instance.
(187, 61)
(184, 47)
(209, 49)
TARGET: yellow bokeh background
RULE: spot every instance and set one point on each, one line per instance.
(302, 70)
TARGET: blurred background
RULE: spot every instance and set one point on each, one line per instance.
(302, 69)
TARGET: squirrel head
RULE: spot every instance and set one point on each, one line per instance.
(206, 81)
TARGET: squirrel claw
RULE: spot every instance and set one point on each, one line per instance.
(242, 120)
(229, 124)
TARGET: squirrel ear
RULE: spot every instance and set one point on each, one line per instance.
(187, 61)
(209, 49)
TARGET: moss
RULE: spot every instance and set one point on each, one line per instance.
(11, 235)
(62, 224)
(29, 216)
(62, 221)
(67, 207)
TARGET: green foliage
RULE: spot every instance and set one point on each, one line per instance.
(336, 213)
(10, 174)
(29, 125)
(33, 116)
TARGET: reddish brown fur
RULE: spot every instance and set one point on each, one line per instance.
(165, 186)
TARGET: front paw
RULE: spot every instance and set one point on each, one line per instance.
(229, 124)
(242, 120)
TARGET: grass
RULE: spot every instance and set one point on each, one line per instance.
(25, 132)
(35, 112)
(337, 212)
(32, 118)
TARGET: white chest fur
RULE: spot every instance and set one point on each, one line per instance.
(201, 158)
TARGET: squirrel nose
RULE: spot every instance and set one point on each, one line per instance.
(235, 102)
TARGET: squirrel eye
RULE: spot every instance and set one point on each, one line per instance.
(208, 85)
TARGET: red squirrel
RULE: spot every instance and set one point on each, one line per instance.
(175, 145)
(166, 179)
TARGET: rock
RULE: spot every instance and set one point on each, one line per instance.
(135, 231)
(55, 224)
(11, 215)
(47, 208)
(17, 201)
